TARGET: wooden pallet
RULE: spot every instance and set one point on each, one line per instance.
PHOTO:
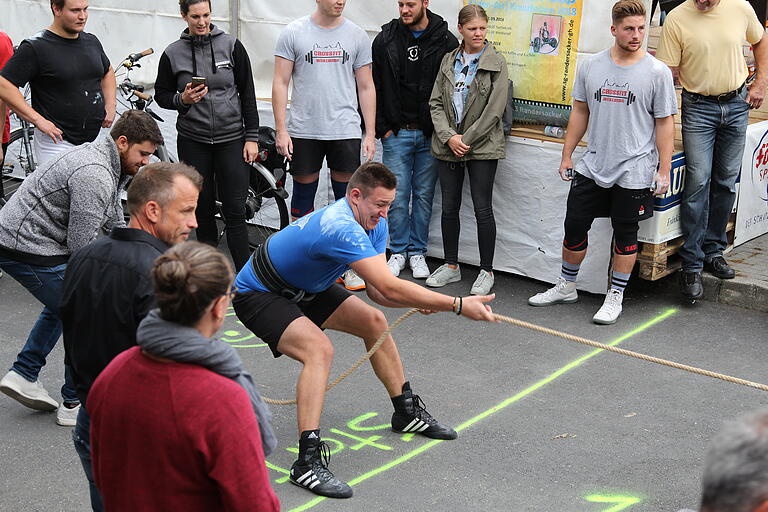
(660, 260)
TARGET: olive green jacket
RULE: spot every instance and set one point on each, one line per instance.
(482, 128)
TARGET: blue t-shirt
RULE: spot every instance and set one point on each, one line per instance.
(313, 251)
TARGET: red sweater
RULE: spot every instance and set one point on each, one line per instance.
(172, 436)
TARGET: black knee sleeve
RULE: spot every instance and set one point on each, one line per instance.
(625, 237)
(576, 237)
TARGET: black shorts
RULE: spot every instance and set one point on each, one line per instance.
(268, 315)
(588, 200)
(342, 155)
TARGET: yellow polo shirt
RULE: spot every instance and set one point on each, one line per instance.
(706, 46)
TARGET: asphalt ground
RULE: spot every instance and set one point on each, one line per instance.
(544, 424)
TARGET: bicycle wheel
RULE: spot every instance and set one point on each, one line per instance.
(266, 209)
(18, 161)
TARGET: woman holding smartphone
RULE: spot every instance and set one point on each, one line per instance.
(206, 77)
(467, 104)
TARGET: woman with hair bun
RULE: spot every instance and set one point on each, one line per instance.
(172, 420)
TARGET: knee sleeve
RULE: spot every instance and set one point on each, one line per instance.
(576, 234)
(339, 189)
(303, 198)
(625, 237)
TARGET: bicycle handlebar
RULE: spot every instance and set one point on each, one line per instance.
(136, 56)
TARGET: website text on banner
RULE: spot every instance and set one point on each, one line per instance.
(539, 39)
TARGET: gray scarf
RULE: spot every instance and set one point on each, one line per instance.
(187, 345)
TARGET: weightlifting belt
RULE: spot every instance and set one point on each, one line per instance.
(268, 276)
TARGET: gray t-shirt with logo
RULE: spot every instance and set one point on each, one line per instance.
(324, 101)
(624, 103)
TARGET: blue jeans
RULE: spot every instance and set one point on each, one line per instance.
(46, 284)
(713, 136)
(81, 437)
(408, 156)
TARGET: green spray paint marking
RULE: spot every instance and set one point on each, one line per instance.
(622, 502)
(509, 401)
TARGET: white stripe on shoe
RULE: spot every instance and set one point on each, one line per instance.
(306, 476)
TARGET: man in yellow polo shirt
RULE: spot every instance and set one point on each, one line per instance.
(702, 43)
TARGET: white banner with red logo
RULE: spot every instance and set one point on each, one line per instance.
(752, 211)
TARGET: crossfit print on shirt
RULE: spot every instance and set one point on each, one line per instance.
(331, 54)
(614, 93)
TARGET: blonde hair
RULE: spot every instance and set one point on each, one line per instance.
(470, 12)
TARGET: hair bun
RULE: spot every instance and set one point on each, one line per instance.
(171, 273)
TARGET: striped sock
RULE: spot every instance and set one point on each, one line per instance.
(569, 271)
(619, 281)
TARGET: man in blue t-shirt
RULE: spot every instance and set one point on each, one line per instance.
(288, 295)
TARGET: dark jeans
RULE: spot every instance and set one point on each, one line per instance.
(714, 134)
(223, 168)
(46, 284)
(81, 437)
(481, 176)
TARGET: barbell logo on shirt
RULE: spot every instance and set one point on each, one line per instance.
(413, 53)
(333, 54)
(615, 93)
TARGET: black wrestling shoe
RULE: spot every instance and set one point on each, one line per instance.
(718, 267)
(410, 417)
(311, 472)
(691, 285)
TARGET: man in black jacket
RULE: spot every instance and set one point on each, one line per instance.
(108, 288)
(406, 58)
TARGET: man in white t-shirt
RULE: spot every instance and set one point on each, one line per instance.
(329, 59)
(627, 98)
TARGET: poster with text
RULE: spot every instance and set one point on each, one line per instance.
(539, 39)
(752, 211)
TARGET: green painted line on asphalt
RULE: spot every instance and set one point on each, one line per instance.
(509, 401)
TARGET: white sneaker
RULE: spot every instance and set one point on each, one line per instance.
(564, 292)
(67, 417)
(396, 263)
(444, 275)
(483, 283)
(352, 281)
(419, 266)
(31, 394)
(611, 308)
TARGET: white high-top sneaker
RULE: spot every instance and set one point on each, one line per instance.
(611, 308)
(564, 292)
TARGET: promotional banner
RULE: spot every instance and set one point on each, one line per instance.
(539, 39)
(752, 211)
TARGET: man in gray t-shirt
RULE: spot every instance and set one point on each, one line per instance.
(329, 59)
(627, 99)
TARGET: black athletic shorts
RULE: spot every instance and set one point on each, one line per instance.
(268, 315)
(588, 200)
(342, 155)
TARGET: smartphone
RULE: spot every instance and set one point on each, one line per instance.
(198, 80)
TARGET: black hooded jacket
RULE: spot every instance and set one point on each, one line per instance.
(389, 61)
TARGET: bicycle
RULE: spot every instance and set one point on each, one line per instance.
(266, 207)
(19, 161)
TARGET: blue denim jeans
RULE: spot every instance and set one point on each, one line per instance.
(714, 137)
(46, 284)
(408, 156)
(81, 437)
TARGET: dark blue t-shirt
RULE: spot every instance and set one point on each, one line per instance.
(313, 251)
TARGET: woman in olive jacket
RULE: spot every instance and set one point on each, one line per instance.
(467, 104)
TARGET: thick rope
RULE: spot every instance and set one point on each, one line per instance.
(545, 330)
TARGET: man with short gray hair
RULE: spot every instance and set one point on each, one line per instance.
(108, 289)
(736, 469)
